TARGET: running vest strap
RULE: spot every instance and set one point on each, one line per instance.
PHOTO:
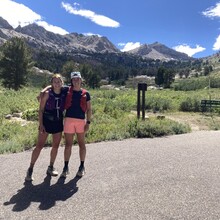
(50, 104)
(83, 102)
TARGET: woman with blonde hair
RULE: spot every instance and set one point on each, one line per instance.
(51, 109)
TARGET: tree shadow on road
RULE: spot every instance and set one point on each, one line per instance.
(44, 193)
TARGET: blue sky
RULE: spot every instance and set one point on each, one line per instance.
(189, 26)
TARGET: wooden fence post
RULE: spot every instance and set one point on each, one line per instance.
(141, 106)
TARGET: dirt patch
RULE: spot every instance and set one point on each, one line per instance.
(197, 121)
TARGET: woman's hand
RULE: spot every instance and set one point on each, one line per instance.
(86, 128)
(41, 129)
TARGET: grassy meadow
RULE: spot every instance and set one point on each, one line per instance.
(114, 114)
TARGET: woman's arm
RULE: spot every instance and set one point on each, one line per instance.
(42, 92)
(88, 115)
(43, 101)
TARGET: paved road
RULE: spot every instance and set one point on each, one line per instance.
(175, 177)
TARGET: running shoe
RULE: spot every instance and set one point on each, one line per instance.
(29, 176)
(81, 171)
(52, 171)
(65, 173)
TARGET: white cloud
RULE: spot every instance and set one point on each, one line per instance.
(51, 28)
(216, 45)
(184, 48)
(91, 34)
(129, 46)
(212, 11)
(98, 19)
(18, 14)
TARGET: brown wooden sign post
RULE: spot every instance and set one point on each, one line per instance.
(141, 87)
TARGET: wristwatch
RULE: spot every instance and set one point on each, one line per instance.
(88, 122)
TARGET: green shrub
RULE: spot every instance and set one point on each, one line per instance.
(105, 127)
(158, 103)
(191, 84)
(30, 114)
(197, 83)
(156, 127)
(18, 101)
(190, 105)
(15, 138)
(215, 82)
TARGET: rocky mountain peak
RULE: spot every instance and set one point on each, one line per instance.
(5, 24)
(157, 50)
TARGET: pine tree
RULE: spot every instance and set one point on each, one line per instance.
(67, 68)
(164, 77)
(15, 63)
(159, 78)
(91, 78)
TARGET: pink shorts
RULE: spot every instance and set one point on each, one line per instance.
(74, 125)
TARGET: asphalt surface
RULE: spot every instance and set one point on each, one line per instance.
(174, 177)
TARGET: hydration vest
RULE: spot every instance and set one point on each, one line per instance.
(83, 102)
(53, 99)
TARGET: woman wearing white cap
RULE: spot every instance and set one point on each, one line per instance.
(77, 121)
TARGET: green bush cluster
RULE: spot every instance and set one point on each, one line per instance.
(154, 127)
(30, 114)
(106, 127)
(193, 84)
(18, 101)
(159, 104)
(214, 82)
(99, 132)
(123, 100)
(15, 138)
(190, 104)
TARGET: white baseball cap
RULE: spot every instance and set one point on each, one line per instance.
(76, 75)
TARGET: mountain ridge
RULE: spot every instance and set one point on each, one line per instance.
(39, 38)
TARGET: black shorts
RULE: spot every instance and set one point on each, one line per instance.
(53, 127)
